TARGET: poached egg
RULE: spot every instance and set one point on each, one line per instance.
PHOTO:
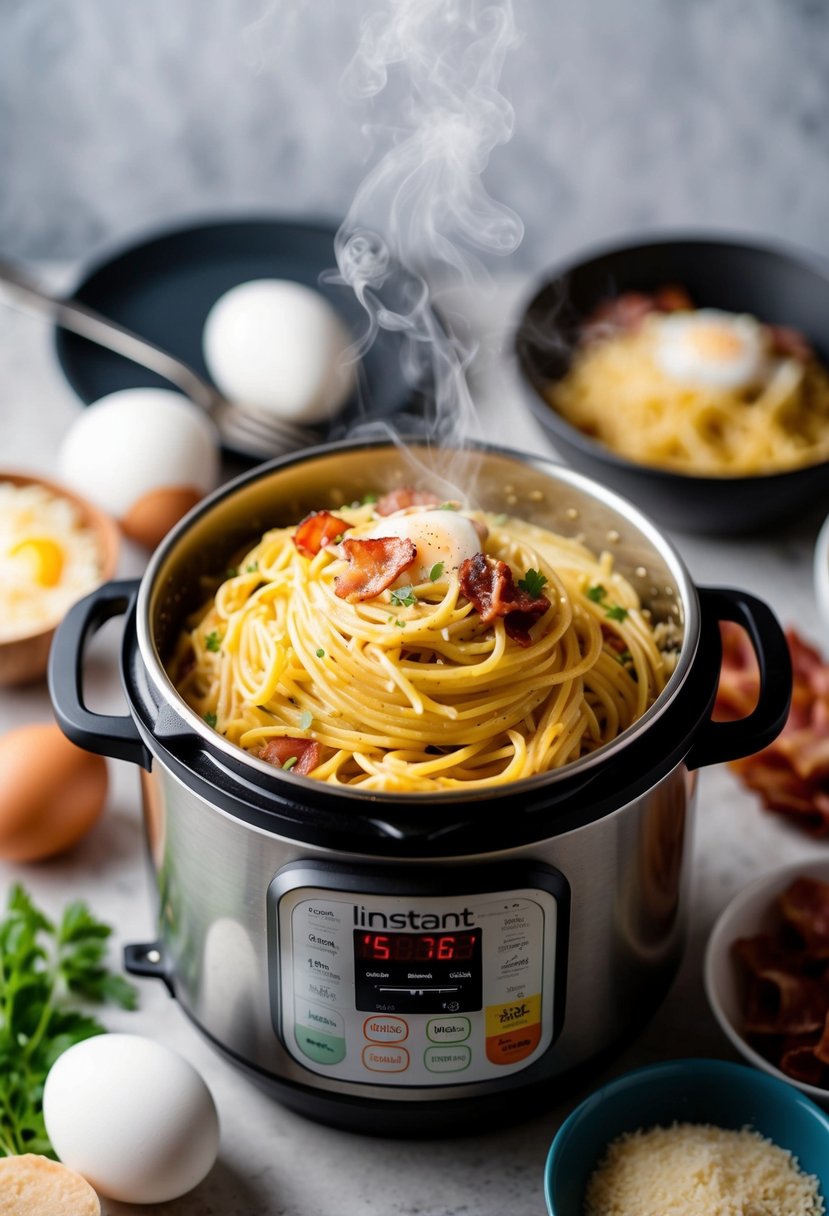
(710, 348)
(442, 537)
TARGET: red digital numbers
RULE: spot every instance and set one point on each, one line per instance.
(417, 947)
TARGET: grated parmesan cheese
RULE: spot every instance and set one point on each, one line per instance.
(698, 1170)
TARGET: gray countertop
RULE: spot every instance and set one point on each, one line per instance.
(272, 1162)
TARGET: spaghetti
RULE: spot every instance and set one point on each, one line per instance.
(699, 391)
(420, 687)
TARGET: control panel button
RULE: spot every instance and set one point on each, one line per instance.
(386, 1029)
(320, 1047)
(386, 1059)
(448, 1030)
(513, 1030)
(447, 1059)
(317, 1017)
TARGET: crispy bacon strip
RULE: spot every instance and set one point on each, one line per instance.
(317, 530)
(373, 565)
(805, 905)
(800, 1061)
(405, 496)
(279, 750)
(789, 342)
(489, 584)
(792, 774)
(626, 312)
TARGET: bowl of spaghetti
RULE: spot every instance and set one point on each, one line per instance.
(692, 374)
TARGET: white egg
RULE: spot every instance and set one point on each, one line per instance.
(279, 347)
(440, 537)
(710, 348)
(145, 455)
(132, 1117)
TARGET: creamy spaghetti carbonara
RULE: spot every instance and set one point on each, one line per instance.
(429, 648)
(700, 391)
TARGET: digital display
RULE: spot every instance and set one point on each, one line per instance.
(415, 947)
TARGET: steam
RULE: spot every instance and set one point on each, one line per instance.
(422, 214)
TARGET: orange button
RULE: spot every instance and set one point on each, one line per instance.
(385, 1030)
(386, 1059)
(513, 1045)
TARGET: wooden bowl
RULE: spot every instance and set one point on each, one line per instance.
(23, 658)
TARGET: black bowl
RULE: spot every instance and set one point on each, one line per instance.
(774, 284)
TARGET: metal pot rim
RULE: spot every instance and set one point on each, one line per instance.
(294, 786)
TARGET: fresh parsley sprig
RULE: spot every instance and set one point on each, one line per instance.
(44, 966)
(533, 582)
(614, 612)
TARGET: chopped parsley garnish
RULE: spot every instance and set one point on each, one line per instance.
(436, 571)
(337, 538)
(614, 612)
(211, 720)
(370, 498)
(290, 762)
(404, 597)
(251, 567)
(213, 641)
(625, 657)
(400, 624)
(320, 653)
(532, 582)
(231, 571)
(448, 506)
(305, 719)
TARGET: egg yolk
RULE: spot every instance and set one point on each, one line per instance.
(44, 556)
(715, 342)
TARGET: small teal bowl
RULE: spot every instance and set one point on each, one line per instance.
(683, 1091)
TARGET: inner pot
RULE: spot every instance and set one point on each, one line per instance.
(189, 564)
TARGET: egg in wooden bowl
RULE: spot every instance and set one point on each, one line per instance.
(55, 547)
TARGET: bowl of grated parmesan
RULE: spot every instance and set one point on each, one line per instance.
(55, 547)
(692, 1137)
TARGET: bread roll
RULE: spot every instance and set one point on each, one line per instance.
(34, 1186)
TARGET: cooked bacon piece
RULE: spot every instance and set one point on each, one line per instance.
(786, 994)
(373, 565)
(626, 312)
(792, 773)
(489, 584)
(805, 905)
(789, 342)
(800, 1061)
(280, 749)
(405, 496)
(317, 530)
(822, 1046)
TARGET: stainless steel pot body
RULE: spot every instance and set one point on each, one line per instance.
(580, 876)
(628, 875)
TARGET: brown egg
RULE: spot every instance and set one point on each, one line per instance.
(51, 792)
(152, 515)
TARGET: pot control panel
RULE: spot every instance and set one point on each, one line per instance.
(405, 988)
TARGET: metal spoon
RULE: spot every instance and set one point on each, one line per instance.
(256, 434)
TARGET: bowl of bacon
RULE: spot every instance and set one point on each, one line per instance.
(767, 974)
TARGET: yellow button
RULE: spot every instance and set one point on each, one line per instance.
(514, 1015)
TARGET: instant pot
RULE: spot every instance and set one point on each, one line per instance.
(415, 963)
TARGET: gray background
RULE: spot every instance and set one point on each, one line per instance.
(118, 117)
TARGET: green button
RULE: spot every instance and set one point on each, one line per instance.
(448, 1030)
(447, 1059)
(319, 1047)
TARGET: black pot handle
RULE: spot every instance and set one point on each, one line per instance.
(107, 734)
(722, 741)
